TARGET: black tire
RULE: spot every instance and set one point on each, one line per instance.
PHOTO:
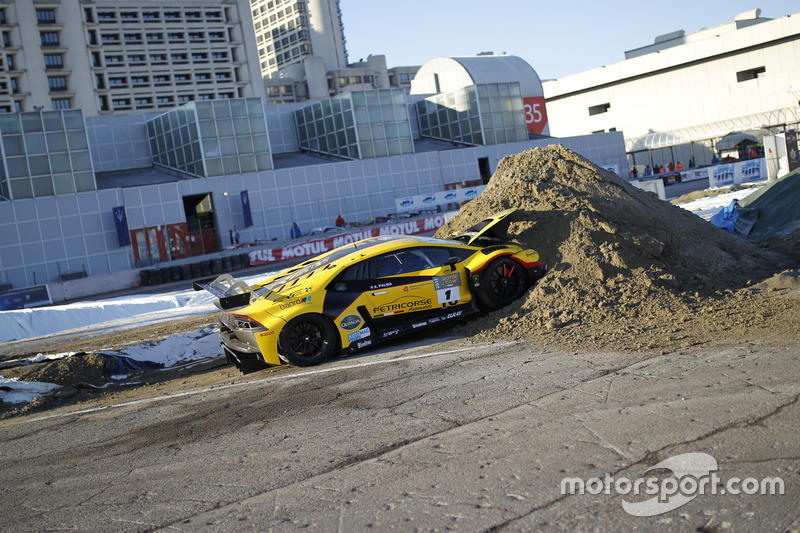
(502, 282)
(307, 340)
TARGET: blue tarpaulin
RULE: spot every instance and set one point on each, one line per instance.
(726, 218)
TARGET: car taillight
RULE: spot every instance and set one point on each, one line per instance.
(245, 322)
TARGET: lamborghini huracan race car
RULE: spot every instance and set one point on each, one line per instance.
(369, 291)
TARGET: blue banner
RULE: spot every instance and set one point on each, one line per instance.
(121, 221)
(248, 216)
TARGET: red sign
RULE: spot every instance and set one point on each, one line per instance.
(535, 114)
(318, 246)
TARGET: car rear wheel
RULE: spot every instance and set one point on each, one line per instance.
(502, 282)
(307, 340)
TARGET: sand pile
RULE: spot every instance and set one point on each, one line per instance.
(628, 271)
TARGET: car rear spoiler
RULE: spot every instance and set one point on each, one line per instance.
(231, 293)
(492, 230)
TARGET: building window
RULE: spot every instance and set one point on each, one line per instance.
(161, 80)
(179, 58)
(2, 16)
(61, 103)
(155, 37)
(46, 16)
(121, 102)
(50, 38)
(129, 16)
(99, 82)
(136, 58)
(144, 101)
(117, 82)
(57, 83)
(185, 98)
(172, 15)
(139, 80)
(192, 15)
(104, 16)
(216, 36)
(750, 74)
(52, 61)
(219, 56)
(87, 15)
(109, 37)
(133, 37)
(201, 57)
(196, 36)
(158, 58)
(175, 37)
(599, 109)
(182, 79)
(161, 100)
(114, 59)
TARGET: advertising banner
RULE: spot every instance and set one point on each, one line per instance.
(318, 246)
(248, 215)
(737, 172)
(23, 298)
(121, 222)
(791, 150)
(435, 199)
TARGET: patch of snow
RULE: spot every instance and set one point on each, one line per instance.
(13, 390)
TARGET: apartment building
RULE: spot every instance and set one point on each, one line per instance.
(123, 56)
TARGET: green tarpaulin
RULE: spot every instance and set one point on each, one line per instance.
(773, 210)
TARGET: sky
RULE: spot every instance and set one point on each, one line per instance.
(556, 38)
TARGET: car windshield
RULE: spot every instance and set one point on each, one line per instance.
(316, 264)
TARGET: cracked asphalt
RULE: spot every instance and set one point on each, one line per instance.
(418, 436)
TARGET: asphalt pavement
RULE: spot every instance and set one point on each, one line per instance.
(430, 434)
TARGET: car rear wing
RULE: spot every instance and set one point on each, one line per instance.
(231, 293)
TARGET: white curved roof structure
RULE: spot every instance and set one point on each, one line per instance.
(445, 74)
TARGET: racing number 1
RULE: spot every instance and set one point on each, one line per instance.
(451, 294)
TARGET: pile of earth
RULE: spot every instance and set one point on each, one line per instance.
(628, 271)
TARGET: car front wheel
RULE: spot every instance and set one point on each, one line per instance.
(502, 282)
(307, 340)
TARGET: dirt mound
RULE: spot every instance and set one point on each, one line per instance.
(627, 269)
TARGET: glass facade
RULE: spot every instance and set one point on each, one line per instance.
(44, 154)
(212, 138)
(357, 125)
(479, 115)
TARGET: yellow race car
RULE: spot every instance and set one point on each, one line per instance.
(369, 291)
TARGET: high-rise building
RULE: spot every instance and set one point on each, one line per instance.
(288, 32)
(121, 56)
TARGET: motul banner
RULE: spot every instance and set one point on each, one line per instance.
(318, 246)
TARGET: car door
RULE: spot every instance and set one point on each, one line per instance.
(415, 282)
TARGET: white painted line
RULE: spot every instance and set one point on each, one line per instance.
(299, 374)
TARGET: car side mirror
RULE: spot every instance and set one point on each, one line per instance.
(452, 262)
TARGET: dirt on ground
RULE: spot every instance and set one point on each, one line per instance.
(628, 272)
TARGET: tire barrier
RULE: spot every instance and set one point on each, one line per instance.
(175, 273)
(144, 276)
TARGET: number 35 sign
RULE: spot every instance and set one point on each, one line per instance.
(535, 114)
